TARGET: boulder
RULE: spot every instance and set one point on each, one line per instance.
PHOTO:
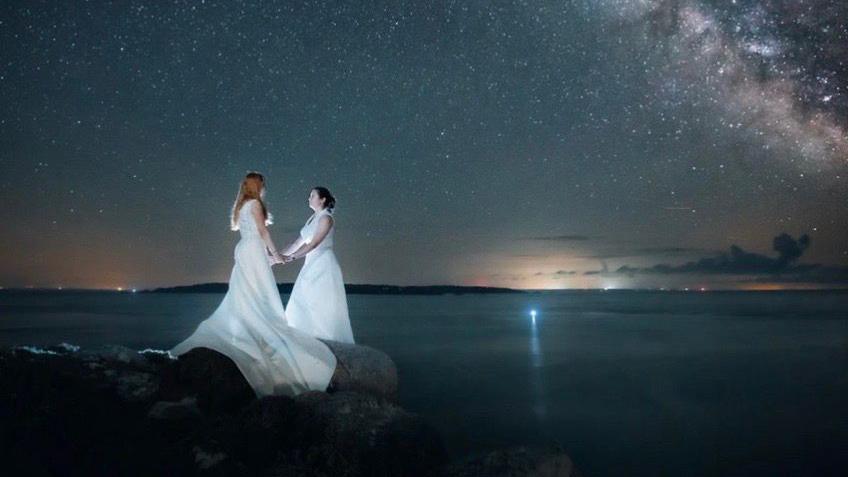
(367, 434)
(210, 377)
(363, 369)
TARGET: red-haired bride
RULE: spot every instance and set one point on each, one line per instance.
(250, 326)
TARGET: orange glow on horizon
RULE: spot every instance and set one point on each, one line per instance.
(779, 286)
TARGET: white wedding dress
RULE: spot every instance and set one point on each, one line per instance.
(318, 304)
(250, 327)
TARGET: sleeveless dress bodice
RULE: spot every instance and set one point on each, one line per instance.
(307, 232)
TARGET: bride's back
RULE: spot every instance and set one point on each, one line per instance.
(246, 221)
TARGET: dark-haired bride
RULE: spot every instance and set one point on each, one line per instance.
(318, 304)
(250, 325)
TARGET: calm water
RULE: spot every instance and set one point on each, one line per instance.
(630, 383)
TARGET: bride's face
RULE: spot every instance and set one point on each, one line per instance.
(262, 192)
(316, 203)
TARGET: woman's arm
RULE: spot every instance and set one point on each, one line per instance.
(263, 230)
(294, 245)
(324, 224)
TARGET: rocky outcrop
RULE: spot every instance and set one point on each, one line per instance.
(116, 411)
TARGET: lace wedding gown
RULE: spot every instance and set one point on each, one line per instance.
(250, 327)
(318, 304)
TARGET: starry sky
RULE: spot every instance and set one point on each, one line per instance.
(527, 144)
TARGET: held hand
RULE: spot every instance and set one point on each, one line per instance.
(272, 260)
(288, 258)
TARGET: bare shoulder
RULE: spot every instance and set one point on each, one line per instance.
(326, 220)
(254, 210)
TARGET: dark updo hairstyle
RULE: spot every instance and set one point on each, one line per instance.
(324, 193)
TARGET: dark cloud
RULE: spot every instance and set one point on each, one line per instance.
(608, 255)
(741, 262)
(557, 274)
(512, 277)
(789, 248)
(737, 261)
(661, 250)
(564, 273)
(653, 251)
(603, 271)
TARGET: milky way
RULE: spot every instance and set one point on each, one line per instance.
(776, 70)
(518, 143)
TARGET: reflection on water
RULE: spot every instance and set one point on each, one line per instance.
(536, 363)
(535, 352)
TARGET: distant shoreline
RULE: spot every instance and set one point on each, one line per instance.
(353, 289)
(367, 289)
(286, 288)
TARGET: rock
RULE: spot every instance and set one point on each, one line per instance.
(36, 350)
(517, 462)
(366, 435)
(58, 415)
(157, 357)
(219, 385)
(117, 353)
(170, 410)
(262, 433)
(136, 386)
(206, 460)
(209, 376)
(64, 348)
(363, 369)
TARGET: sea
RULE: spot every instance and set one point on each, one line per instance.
(627, 382)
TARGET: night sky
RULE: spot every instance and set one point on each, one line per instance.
(528, 144)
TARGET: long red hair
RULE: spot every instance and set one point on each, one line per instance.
(251, 188)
